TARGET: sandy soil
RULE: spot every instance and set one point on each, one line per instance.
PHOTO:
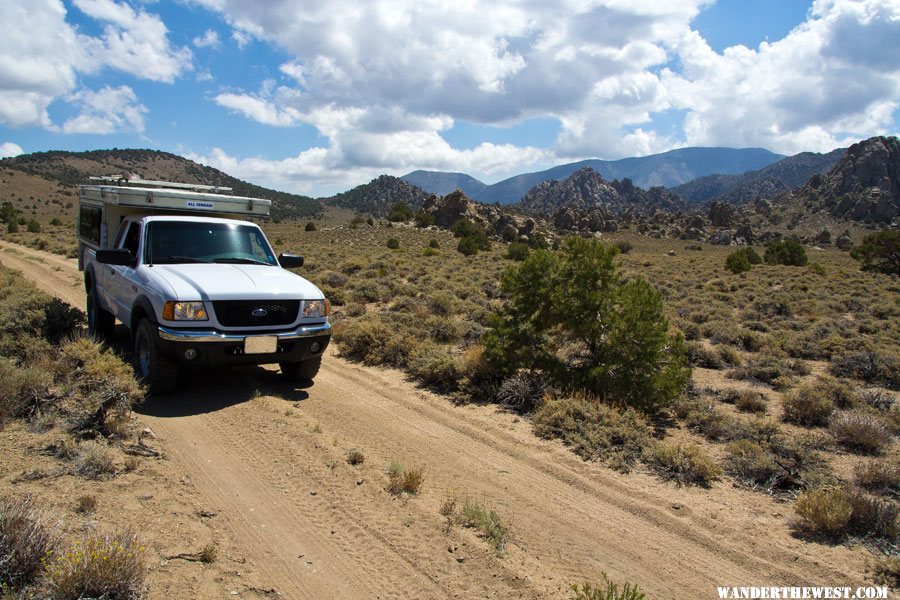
(269, 461)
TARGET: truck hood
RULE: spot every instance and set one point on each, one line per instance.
(234, 282)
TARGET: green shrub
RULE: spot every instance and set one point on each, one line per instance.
(467, 246)
(786, 252)
(751, 402)
(879, 252)
(310, 226)
(861, 432)
(871, 367)
(684, 463)
(12, 227)
(486, 521)
(100, 566)
(34, 226)
(433, 243)
(571, 316)
(594, 430)
(517, 251)
(808, 407)
(400, 212)
(751, 464)
(624, 246)
(26, 537)
(393, 243)
(433, 365)
(607, 590)
(737, 262)
(424, 218)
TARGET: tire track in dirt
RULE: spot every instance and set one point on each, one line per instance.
(259, 448)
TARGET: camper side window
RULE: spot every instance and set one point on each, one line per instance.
(89, 223)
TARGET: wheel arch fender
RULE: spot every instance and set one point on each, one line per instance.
(141, 309)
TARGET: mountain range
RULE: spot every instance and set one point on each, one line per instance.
(667, 169)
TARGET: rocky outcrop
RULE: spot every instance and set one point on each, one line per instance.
(586, 190)
(864, 185)
(721, 214)
(499, 223)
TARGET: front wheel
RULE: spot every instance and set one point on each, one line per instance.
(101, 323)
(156, 371)
(301, 371)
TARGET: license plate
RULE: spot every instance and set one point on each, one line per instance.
(261, 344)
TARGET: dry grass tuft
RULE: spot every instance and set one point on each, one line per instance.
(404, 481)
(99, 566)
(25, 538)
(684, 463)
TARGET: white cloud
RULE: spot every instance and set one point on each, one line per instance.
(831, 81)
(8, 149)
(210, 39)
(42, 55)
(109, 110)
(241, 38)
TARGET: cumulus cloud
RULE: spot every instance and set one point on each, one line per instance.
(831, 81)
(210, 39)
(42, 55)
(8, 149)
(109, 110)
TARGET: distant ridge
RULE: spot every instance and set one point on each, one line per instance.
(379, 195)
(666, 169)
(440, 183)
(782, 176)
(72, 168)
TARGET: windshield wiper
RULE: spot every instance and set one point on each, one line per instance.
(177, 259)
(243, 261)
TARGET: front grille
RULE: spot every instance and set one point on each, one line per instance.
(239, 313)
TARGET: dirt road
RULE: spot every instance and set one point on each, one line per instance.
(271, 459)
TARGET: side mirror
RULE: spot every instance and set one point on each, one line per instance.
(290, 261)
(119, 256)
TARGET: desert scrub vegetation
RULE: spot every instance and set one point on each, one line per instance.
(879, 252)
(684, 464)
(861, 431)
(403, 480)
(26, 538)
(607, 590)
(837, 512)
(472, 514)
(571, 316)
(97, 566)
(594, 429)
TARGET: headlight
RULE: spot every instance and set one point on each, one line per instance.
(185, 311)
(315, 308)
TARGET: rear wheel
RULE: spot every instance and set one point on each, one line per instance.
(101, 323)
(156, 371)
(301, 371)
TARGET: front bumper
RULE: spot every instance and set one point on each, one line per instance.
(214, 348)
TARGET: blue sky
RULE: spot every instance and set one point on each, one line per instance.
(316, 97)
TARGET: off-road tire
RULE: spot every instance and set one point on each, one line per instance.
(301, 371)
(101, 323)
(153, 369)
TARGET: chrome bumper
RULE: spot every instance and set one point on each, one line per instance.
(210, 335)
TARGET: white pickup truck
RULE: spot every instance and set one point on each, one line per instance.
(194, 287)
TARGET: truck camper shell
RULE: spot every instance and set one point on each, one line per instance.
(105, 204)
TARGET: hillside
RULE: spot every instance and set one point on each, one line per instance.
(667, 169)
(440, 183)
(587, 189)
(71, 168)
(863, 186)
(379, 195)
(782, 176)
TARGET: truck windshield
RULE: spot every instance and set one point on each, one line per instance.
(170, 242)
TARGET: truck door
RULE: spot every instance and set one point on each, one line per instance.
(120, 278)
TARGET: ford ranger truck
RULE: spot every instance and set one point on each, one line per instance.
(200, 291)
